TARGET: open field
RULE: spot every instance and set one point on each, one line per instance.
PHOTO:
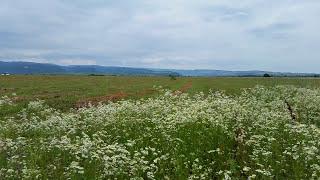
(48, 131)
(262, 133)
(65, 92)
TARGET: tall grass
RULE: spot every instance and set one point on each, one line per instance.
(171, 136)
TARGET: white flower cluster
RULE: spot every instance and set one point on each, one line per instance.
(5, 100)
(264, 133)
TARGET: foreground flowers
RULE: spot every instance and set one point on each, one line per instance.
(252, 135)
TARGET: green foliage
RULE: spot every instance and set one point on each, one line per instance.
(266, 75)
(172, 77)
(170, 136)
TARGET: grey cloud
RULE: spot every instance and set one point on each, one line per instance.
(225, 34)
(278, 31)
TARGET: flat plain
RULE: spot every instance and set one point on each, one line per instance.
(181, 130)
(63, 92)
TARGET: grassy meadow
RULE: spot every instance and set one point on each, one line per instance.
(244, 128)
(63, 92)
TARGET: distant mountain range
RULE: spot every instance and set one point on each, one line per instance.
(43, 68)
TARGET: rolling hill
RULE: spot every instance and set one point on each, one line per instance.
(20, 67)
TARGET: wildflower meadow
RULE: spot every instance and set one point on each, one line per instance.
(263, 133)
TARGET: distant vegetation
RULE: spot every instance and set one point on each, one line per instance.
(172, 77)
(96, 75)
(266, 75)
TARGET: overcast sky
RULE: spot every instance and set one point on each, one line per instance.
(276, 35)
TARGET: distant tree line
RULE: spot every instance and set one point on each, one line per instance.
(266, 75)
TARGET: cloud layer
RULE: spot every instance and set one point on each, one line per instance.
(220, 34)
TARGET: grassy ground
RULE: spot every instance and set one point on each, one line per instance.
(63, 92)
(265, 133)
(233, 85)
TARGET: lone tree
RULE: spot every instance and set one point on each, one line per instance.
(266, 75)
(172, 77)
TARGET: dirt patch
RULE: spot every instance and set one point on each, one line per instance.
(94, 101)
(100, 99)
(17, 99)
(7, 90)
(184, 88)
(146, 92)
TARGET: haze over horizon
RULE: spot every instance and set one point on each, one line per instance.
(169, 34)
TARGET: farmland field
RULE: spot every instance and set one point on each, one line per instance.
(63, 92)
(181, 130)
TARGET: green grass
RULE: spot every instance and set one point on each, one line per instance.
(170, 136)
(167, 136)
(62, 92)
(234, 85)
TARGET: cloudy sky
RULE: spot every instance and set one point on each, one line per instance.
(277, 35)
